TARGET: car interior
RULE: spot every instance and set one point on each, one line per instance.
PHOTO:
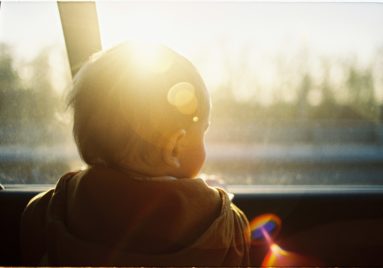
(311, 224)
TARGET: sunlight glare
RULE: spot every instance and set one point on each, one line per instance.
(151, 57)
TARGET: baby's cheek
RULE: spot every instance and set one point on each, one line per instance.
(199, 157)
(194, 161)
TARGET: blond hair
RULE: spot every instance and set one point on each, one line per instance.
(121, 106)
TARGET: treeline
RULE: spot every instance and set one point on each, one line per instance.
(356, 96)
(29, 101)
(33, 101)
(361, 106)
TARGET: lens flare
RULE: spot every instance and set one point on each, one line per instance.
(182, 96)
(277, 250)
(264, 228)
(278, 257)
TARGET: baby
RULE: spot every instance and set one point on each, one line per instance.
(140, 116)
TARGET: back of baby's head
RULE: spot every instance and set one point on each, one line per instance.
(127, 99)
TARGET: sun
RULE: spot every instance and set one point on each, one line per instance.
(141, 23)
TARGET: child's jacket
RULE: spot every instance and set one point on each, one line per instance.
(102, 217)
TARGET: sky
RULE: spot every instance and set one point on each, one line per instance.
(212, 33)
(327, 27)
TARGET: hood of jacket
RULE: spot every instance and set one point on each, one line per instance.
(101, 216)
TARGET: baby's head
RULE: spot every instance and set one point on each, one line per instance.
(142, 108)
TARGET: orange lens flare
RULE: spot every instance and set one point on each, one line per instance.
(264, 228)
(278, 257)
(278, 251)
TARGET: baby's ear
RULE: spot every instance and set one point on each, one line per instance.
(170, 153)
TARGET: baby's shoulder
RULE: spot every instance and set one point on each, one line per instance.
(195, 194)
(197, 187)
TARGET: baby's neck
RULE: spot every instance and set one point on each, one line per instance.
(141, 174)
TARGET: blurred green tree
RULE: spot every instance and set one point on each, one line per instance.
(9, 83)
(28, 103)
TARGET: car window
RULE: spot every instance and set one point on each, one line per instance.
(35, 135)
(297, 88)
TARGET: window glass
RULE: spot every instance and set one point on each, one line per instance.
(35, 135)
(297, 88)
